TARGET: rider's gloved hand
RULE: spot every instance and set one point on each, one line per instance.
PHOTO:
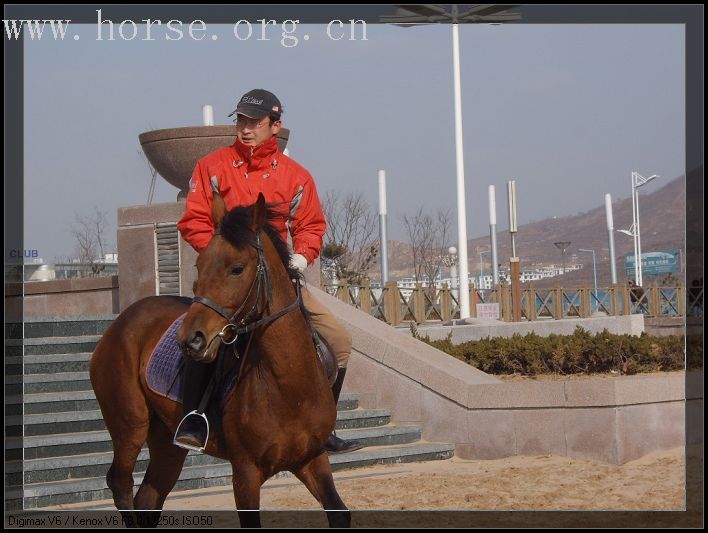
(298, 262)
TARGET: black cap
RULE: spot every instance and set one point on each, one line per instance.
(258, 103)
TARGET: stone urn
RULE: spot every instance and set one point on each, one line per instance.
(174, 152)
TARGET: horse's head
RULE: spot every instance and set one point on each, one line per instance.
(232, 280)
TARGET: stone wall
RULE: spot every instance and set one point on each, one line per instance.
(482, 328)
(63, 298)
(612, 420)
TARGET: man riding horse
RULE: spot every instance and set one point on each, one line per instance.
(254, 164)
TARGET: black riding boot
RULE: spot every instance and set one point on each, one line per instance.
(335, 444)
(193, 431)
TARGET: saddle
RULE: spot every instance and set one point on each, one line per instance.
(166, 362)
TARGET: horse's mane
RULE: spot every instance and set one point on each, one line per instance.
(235, 228)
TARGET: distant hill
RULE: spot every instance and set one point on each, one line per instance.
(663, 227)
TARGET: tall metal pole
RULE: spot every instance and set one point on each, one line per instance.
(639, 242)
(461, 209)
(382, 227)
(514, 264)
(634, 230)
(435, 13)
(611, 237)
(493, 235)
(511, 194)
(637, 181)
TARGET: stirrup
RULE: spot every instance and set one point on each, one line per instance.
(189, 446)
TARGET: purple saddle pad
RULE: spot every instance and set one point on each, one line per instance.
(164, 364)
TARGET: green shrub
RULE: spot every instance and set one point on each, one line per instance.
(579, 353)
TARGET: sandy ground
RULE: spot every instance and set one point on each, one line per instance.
(654, 482)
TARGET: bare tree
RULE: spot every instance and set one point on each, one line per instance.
(417, 239)
(429, 236)
(350, 244)
(89, 233)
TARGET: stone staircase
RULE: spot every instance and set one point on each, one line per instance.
(58, 447)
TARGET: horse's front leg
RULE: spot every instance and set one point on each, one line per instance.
(317, 477)
(247, 482)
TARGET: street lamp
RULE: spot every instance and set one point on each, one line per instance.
(594, 270)
(383, 241)
(411, 14)
(638, 181)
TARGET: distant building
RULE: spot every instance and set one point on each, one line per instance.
(108, 266)
(34, 269)
(406, 285)
(487, 281)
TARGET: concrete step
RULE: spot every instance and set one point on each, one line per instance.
(76, 433)
(51, 402)
(59, 327)
(46, 446)
(58, 422)
(47, 364)
(47, 494)
(362, 418)
(52, 345)
(405, 453)
(97, 464)
(83, 466)
(86, 401)
(44, 383)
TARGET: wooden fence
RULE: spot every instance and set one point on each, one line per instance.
(426, 304)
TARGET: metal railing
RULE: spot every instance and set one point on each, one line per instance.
(426, 304)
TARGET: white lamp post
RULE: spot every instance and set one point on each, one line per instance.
(382, 227)
(611, 237)
(638, 181)
(460, 161)
(493, 234)
(411, 14)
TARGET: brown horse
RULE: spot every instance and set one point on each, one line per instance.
(282, 411)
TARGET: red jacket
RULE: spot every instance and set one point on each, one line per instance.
(243, 172)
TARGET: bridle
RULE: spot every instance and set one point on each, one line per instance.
(261, 281)
(242, 325)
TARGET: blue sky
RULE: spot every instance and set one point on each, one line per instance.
(568, 111)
